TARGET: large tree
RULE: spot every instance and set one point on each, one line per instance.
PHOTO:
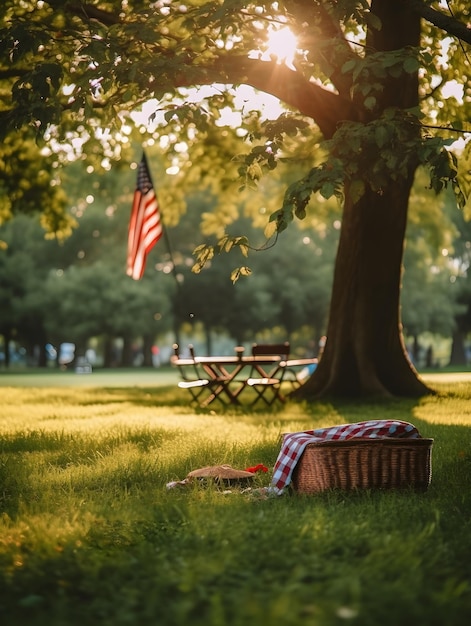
(368, 81)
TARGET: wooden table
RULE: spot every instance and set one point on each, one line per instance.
(225, 377)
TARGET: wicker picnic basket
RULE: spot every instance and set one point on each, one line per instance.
(386, 463)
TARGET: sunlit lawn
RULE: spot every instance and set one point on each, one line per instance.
(89, 533)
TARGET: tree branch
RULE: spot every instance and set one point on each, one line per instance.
(325, 107)
(447, 23)
(13, 72)
(89, 11)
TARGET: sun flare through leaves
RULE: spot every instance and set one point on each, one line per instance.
(282, 45)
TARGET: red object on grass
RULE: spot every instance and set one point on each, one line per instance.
(257, 468)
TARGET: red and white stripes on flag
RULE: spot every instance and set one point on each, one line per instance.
(145, 226)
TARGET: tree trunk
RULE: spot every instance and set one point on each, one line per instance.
(365, 353)
(108, 352)
(147, 343)
(208, 339)
(42, 361)
(6, 344)
(127, 353)
(458, 351)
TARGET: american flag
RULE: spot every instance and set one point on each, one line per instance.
(145, 226)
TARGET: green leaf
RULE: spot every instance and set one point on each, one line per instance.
(467, 210)
(127, 95)
(203, 253)
(349, 66)
(411, 65)
(381, 136)
(240, 271)
(357, 190)
(244, 249)
(327, 190)
(395, 71)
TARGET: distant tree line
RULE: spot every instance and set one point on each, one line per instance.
(77, 290)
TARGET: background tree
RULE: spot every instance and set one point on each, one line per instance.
(25, 263)
(99, 300)
(56, 294)
(29, 184)
(76, 290)
(429, 294)
(461, 260)
(363, 77)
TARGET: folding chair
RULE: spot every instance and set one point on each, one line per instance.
(266, 378)
(297, 371)
(188, 369)
(194, 381)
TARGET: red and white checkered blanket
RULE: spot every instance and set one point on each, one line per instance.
(294, 443)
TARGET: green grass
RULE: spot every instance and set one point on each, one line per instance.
(19, 376)
(89, 534)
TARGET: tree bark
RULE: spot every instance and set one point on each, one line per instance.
(147, 343)
(445, 22)
(365, 353)
(458, 351)
(127, 356)
(108, 356)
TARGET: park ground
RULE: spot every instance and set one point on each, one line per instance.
(90, 533)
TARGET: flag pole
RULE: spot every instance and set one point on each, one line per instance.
(164, 228)
(172, 261)
(169, 248)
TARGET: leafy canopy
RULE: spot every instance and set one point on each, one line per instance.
(73, 74)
